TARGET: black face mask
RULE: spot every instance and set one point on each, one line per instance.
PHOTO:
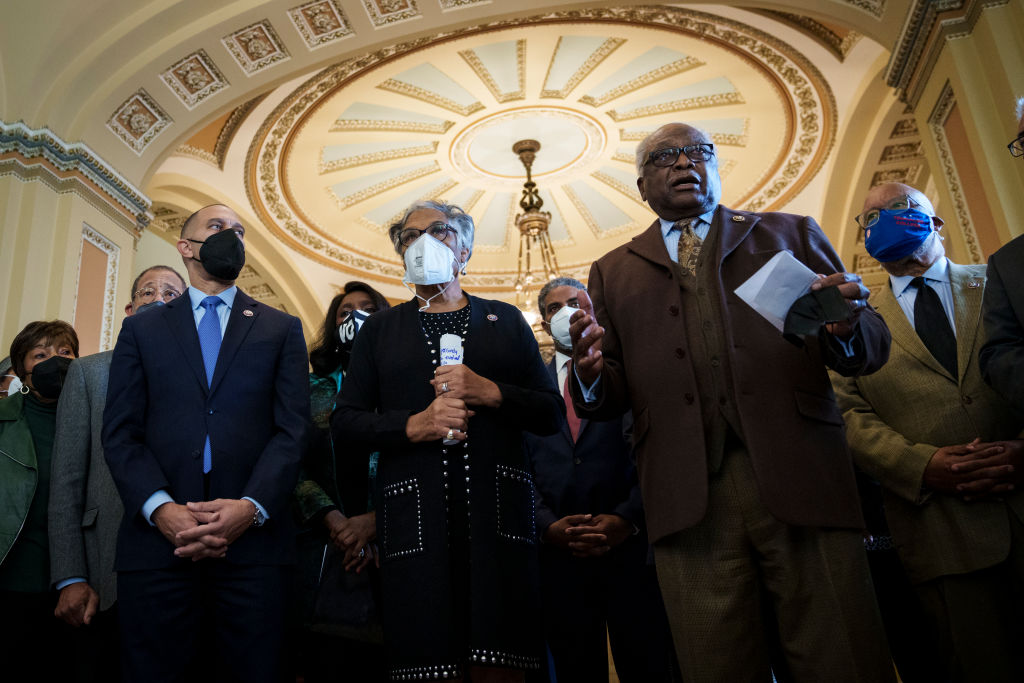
(48, 376)
(347, 332)
(150, 306)
(222, 255)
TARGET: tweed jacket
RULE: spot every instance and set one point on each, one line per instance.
(85, 509)
(899, 416)
(792, 427)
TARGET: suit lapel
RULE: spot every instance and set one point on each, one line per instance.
(733, 228)
(902, 333)
(650, 244)
(181, 320)
(967, 296)
(240, 320)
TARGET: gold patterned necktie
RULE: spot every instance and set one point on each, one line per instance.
(689, 246)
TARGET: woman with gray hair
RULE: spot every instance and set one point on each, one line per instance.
(459, 592)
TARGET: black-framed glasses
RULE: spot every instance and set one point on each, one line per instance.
(1016, 146)
(871, 216)
(150, 293)
(668, 156)
(438, 231)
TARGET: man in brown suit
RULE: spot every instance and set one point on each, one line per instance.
(943, 445)
(747, 483)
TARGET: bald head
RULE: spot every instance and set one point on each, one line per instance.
(880, 196)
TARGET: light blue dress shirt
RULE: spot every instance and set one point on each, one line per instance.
(936, 277)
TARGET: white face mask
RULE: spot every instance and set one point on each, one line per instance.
(428, 261)
(560, 326)
(15, 385)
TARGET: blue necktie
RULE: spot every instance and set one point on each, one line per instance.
(209, 342)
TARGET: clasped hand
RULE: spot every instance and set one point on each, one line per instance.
(204, 529)
(855, 293)
(588, 535)
(976, 469)
(354, 536)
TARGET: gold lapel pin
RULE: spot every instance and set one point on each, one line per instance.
(739, 219)
(247, 313)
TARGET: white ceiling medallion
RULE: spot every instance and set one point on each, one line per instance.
(194, 78)
(255, 47)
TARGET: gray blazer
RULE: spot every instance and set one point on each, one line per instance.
(85, 508)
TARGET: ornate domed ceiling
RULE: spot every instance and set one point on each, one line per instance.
(346, 151)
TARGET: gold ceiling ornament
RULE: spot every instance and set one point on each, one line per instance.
(534, 239)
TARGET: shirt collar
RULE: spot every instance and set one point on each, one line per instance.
(196, 296)
(666, 225)
(938, 272)
(560, 360)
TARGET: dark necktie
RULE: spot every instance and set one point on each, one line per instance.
(689, 246)
(933, 327)
(209, 343)
(570, 410)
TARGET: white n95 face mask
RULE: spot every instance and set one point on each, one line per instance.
(560, 326)
(428, 262)
(15, 385)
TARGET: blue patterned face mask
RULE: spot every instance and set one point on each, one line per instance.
(897, 233)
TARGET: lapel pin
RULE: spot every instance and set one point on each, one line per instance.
(247, 313)
(739, 219)
(492, 317)
(974, 283)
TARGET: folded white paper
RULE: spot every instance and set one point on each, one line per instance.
(772, 290)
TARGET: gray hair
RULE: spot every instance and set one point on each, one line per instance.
(643, 149)
(1020, 108)
(458, 219)
(542, 296)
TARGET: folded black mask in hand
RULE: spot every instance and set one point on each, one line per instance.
(812, 310)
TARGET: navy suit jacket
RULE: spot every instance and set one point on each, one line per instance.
(595, 475)
(159, 410)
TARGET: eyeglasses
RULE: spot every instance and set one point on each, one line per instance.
(668, 156)
(871, 216)
(1017, 146)
(150, 293)
(438, 231)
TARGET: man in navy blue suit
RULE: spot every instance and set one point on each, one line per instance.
(596, 574)
(206, 418)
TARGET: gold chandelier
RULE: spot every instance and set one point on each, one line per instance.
(537, 259)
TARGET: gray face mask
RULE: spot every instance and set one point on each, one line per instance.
(148, 307)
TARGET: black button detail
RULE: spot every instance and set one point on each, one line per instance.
(680, 353)
(689, 398)
(673, 309)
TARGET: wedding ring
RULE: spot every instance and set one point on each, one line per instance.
(451, 434)
(444, 390)
(362, 552)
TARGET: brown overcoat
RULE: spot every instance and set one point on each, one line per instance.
(793, 430)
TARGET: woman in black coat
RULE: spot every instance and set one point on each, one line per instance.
(455, 497)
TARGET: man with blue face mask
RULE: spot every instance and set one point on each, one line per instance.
(596, 573)
(941, 443)
(85, 509)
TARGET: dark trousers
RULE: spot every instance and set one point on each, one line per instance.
(204, 621)
(619, 592)
(97, 649)
(34, 644)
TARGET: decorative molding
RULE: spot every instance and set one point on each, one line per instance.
(435, 195)
(255, 47)
(718, 99)
(138, 121)
(485, 76)
(377, 188)
(937, 123)
(596, 57)
(928, 26)
(424, 95)
(320, 23)
(904, 128)
(194, 78)
(875, 8)
(864, 264)
(387, 12)
(187, 150)
(32, 154)
(361, 159)
(653, 76)
(901, 152)
(110, 287)
(907, 175)
(447, 5)
(630, 191)
(836, 43)
(401, 126)
(231, 126)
